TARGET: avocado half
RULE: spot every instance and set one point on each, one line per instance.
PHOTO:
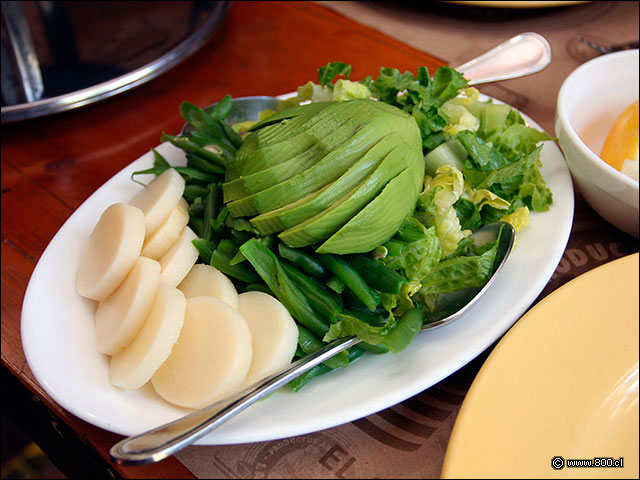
(341, 176)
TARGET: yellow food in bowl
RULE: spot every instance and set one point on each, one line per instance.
(621, 146)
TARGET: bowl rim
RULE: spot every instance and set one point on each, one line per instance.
(562, 117)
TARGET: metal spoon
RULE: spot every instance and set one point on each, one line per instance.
(604, 49)
(161, 442)
(519, 56)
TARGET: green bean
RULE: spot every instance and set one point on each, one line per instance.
(196, 209)
(395, 247)
(377, 275)
(239, 236)
(227, 246)
(187, 173)
(210, 125)
(351, 279)
(297, 383)
(303, 260)
(159, 160)
(197, 225)
(309, 344)
(319, 299)
(406, 329)
(242, 272)
(218, 140)
(205, 248)
(375, 319)
(198, 118)
(210, 207)
(410, 231)
(370, 318)
(238, 258)
(221, 109)
(191, 192)
(190, 146)
(268, 266)
(377, 349)
(335, 284)
(232, 135)
(212, 122)
(220, 219)
(258, 287)
(268, 241)
(199, 163)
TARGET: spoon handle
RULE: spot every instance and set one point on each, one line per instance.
(161, 442)
(521, 55)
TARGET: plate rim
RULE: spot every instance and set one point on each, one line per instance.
(513, 336)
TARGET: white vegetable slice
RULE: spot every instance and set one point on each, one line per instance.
(134, 366)
(211, 358)
(160, 241)
(208, 281)
(112, 248)
(158, 198)
(177, 262)
(120, 316)
(273, 331)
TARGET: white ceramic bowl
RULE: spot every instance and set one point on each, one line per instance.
(589, 101)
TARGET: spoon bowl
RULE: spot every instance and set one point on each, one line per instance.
(161, 442)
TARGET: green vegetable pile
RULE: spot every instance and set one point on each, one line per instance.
(354, 203)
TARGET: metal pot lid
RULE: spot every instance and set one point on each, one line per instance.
(57, 56)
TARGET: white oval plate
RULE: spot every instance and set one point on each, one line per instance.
(58, 331)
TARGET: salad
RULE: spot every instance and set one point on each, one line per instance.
(481, 165)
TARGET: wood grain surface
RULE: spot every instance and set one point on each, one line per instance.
(51, 165)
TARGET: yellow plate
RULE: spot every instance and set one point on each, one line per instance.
(563, 382)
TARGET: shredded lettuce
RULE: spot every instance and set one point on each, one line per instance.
(436, 204)
(330, 71)
(347, 90)
(518, 219)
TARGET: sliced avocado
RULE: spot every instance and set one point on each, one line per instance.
(287, 128)
(250, 183)
(326, 223)
(290, 113)
(300, 201)
(323, 172)
(378, 221)
(279, 168)
(292, 214)
(336, 198)
(326, 130)
(275, 129)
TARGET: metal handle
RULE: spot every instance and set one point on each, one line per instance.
(521, 55)
(21, 76)
(168, 439)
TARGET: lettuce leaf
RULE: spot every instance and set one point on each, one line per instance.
(347, 90)
(328, 73)
(395, 334)
(420, 255)
(459, 273)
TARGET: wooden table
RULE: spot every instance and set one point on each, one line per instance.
(51, 165)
